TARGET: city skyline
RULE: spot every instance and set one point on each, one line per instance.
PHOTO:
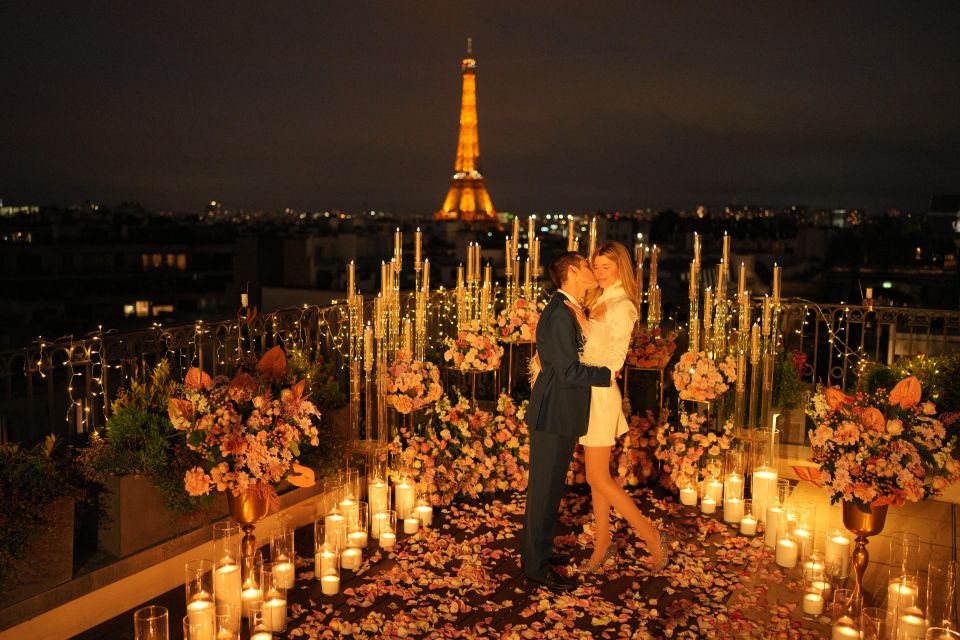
(347, 107)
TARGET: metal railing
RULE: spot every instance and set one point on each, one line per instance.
(66, 386)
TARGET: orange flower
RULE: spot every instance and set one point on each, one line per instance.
(835, 398)
(243, 384)
(273, 362)
(873, 419)
(197, 379)
(906, 393)
(179, 409)
(304, 476)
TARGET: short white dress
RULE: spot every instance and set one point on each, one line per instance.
(606, 345)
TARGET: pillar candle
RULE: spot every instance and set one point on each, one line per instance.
(911, 626)
(762, 488)
(688, 496)
(900, 595)
(251, 595)
(770, 526)
(336, 530)
(708, 505)
(425, 514)
(357, 539)
(227, 586)
(786, 553)
(262, 635)
(837, 555)
(845, 631)
(570, 234)
(813, 604)
(283, 575)
(403, 497)
(732, 510)
(378, 524)
(417, 247)
(388, 539)
(350, 558)
(748, 526)
(411, 525)
(275, 614)
(202, 613)
(324, 561)
(330, 585)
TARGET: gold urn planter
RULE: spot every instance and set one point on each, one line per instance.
(247, 510)
(863, 522)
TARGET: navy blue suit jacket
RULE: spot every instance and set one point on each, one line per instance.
(560, 400)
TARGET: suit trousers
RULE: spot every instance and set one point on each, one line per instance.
(550, 455)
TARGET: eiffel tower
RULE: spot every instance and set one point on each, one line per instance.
(467, 199)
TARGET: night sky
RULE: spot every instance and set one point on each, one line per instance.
(582, 105)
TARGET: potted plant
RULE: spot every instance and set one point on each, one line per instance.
(140, 460)
(790, 396)
(38, 491)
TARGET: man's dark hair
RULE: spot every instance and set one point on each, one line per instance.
(561, 264)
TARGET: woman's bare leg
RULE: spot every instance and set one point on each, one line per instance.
(598, 475)
(601, 525)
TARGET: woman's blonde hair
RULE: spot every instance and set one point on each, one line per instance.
(618, 254)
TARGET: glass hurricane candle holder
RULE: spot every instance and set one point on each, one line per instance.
(787, 548)
(775, 505)
(357, 529)
(814, 594)
(904, 552)
(335, 527)
(765, 465)
(251, 593)
(733, 499)
(872, 626)
(226, 543)
(812, 553)
(942, 594)
(201, 607)
(350, 482)
(274, 600)
(903, 598)
(911, 624)
(258, 624)
(424, 509)
(404, 497)
(688, 491)
(748, 524)
(227, 581)
(329, 578)
(228, 622)
(283, 557)
(331, 497)
(838, 545)
(386, 526)
(151, 623)
(378, 496)
(942, 633)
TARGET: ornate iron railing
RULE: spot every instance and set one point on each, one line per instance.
(66, 386)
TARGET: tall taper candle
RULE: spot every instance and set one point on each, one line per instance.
(418, 247)
(766, 316)
(408, 336)
(776, 285)
(592, 246)
(351, 280)
(693, 283)
(384, 278)
(707, 313)
(742, 284)
(654, 260)
(696, 249)
(507, 262)
(531, 229)
(755, 343)
(722, 281)
(726, 248)
(378, 317)
(570, 234)
(397, 244)
(368, 349)
(516, 235)
(469, 273)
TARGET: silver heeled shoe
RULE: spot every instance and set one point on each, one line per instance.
(611, 552)
(666, 550)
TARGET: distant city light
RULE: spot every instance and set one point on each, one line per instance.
(887, 284)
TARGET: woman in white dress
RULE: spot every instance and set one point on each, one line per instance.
(613, 311)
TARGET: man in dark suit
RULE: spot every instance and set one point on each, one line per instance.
(557, 416)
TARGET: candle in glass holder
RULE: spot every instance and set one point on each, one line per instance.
(813, 604)
(748, 526)
(357, 539)
(732, 510)
(227, 585)
(283, 575)
(350, 558)
(845, 630)
(425, 514)
(411, 525)
(404, 496)
(708, 505)
(787, 552)
(202, 613)
(330, 584)
(837, 552)
(901, 595)
(378, 495)
(688, 496)
(912, 625)
(771, 525)
(325, 560)
(250, 596)
(388, 539)
(275, 613)
(714, 489)
(379, 522)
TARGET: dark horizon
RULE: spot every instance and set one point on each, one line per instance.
(581, 108)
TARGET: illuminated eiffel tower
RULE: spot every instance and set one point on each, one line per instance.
(468, 198)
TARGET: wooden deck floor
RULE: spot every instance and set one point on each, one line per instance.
(461, 579)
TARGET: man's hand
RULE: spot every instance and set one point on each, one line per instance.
(599, 312)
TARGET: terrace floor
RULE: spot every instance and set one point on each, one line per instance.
(461, 579)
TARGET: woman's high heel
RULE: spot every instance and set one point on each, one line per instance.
(666, 550)
(611, 552)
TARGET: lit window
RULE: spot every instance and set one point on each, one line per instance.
(143, 308)
(157, 260)
(128, 310)
(146, 261)
(182, 261)
(170, 259)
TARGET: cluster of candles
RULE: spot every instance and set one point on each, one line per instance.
(346, 524)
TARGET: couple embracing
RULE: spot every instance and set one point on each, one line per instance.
(582, 341)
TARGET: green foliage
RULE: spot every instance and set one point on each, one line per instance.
(30, 480)
(788, 391)
(323, 389)
(139, 438)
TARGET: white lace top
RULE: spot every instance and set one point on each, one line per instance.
(608, 340)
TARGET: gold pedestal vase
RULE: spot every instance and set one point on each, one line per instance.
(247, 510)
(864, 522)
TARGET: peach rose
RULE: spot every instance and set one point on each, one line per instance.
(835, 398)
(873, 419)
(906, 393)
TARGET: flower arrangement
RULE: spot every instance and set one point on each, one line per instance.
(651, 349)
(412, 384)
(691, 450)
(518, 322)
(246, 428)
(880, 448)
(701, 379)
(474, 349)
(632, 456)
(462, 451)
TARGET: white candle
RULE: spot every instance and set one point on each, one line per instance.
(411, 525)
(714, 489)
(350, 558)
(812, 604)
(748, 526)
(786, 553)
(911, 627)
(770, 528)
(378, 494)
(900, 595)
(380, 522)
(708, 505)
(732, 510)
(283, 575)
(357, 539)
(201, 613)
(404, 496)
(262, 635)
(425, 514)
(388, 539)
(688, 497)
(811, 565)
(844, 631)
(838, 555)
(804, 542)
(250, 596)
(227, 586)
(823, 587)
(324, 561)
(330, 585)
(763, 487)
(275, 614)
(349, 508)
